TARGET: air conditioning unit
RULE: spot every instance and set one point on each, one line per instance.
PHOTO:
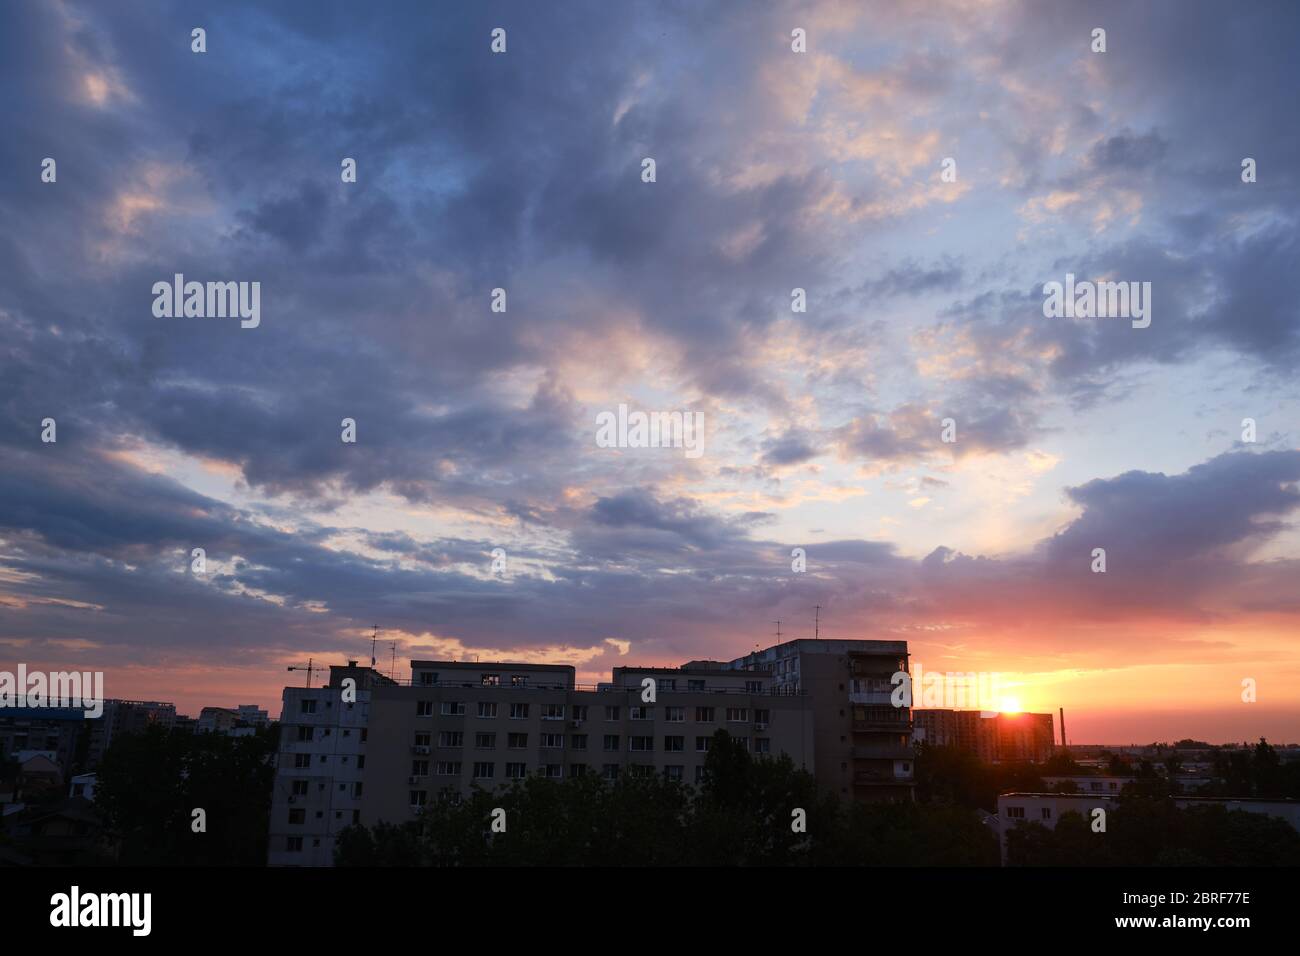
(760, 726)
(421, 749)
(575, 724)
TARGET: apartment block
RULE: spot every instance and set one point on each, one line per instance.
(862, 743)
(461, 724)
(126, 717)
(320, 765)
(398, 746)
(994, 738)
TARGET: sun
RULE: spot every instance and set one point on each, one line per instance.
(1009, 705)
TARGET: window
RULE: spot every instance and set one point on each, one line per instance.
(578, 742)
(554, 771)
(553, 741)
(516, 771)
(485, 741)
(668, 683)
(641, 713)
(578, 711)
(423, 740)
(674, 773)
(1047, 813)
(762, 715)
(640, 770)
(484, 771)
(695, 685)
(611, 741)
(308, 706)
(448, 768)
(737, 714)
(518, 711)
(577, 769)
(297, 816)
(753, 687)
(611, 713)
(419, 768)
(490, 680)
(518, 680)
(428, 678)
(552, 712)
(301, 761)
(609, 771)
(419, 797)
(424, 708)
(701, 744)
(293, 844)
(704, 715)
(516, 741)
(451, 738)
(361, 762)
(453, 708)
(486, 709)
(674, 745)
(357, 789)
(299, 788)
(1015, 813)
(644, 744)
(675, 715)
(699, 774)
(762, 745)
(304, 733)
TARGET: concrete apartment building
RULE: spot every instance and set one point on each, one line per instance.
(994, 738)
(459, 724)
(320, 766)
(862, 743)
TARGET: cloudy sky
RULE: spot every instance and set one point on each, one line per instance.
(775, 170)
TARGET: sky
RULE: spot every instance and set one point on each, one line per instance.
(475, 429)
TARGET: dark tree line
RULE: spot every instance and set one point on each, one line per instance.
(150, 783)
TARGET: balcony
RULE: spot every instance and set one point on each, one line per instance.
(883, 752)
(881, 725)
(871, 697)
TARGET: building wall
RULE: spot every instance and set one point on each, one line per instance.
(320, 768)
(399, 713)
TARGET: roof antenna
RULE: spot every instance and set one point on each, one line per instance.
(778, 632)
(373, 637)
(817, 621)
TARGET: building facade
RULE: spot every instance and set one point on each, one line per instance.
(398, 746)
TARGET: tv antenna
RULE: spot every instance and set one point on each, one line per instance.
(374, 636)
(778, 632)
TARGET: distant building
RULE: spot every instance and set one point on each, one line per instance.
(1046, 808)
(122, 717)
(54, 729)
(83, 785)
(994, 738)
(216, 720)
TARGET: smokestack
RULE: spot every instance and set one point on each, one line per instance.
(1062, 728)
